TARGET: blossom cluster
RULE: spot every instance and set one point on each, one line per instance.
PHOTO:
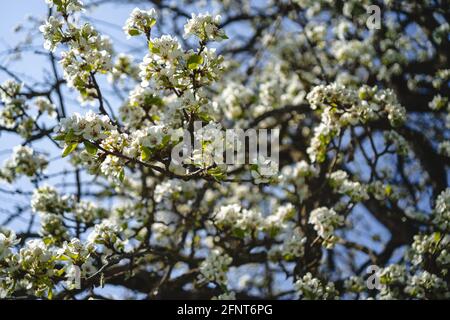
(205, 27)
(39, 263)
(311, 288)
(299, 174)
(214, 268)
(66, 6)
(140, 21)
(292, 246)
(309, 84)
(123, 68)
(341, 183)
(431, 247)
(325, 221)
(89, 52)
(241, 220)
(44, 105)
(91, 126)
(23, 161)
(13, 113)
(342, 106)
(442, 210)
(397, 283)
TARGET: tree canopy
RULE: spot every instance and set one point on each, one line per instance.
(354, 205)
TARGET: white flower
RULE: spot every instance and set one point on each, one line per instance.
(238, 219)
(52, 32)
(53, 225)
(23, 161)
(112, 168)
(35, 255)
(428, 245)
(167, 189)
(226, 296)
(292, 247)
(66, 6)
(438, 103)
(91, 126)
(155, 136)
(425, 283)
(442, 210)
(340, 183)
(444, 148)
(10, 91)
(325, 221)
(107, 233)
(47, 200)
(123, 67)
(311, 288)
(214, 268)
(140, 21)
(45, 106)
(7, 240)
(166, 48)
(205, 27)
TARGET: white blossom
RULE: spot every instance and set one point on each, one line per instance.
(325, 221)
(140, 21)
(311, 288)
(205, 27)
(214, 268)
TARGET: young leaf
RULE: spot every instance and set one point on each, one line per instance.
(59, 137)
(145, 153)
(133, 32)
(70, 147)
(90, 148)
(194, 61)
(152, 48)
(122, 175)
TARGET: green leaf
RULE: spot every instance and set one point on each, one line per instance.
(152, 48)
(204, 116)
(60, 137)
(194, 61)
(70, 136)
(155, 117)
(288, 257)
(388, 190)
(90, 148)
(145, 153)
(216, 173)
(437, 237)
(239, 233)
(152, 22)
(165, 140)
(60, 272)
(69, 149)
(48, 240)
(122, 175)
(273, 232)
(134, 32)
